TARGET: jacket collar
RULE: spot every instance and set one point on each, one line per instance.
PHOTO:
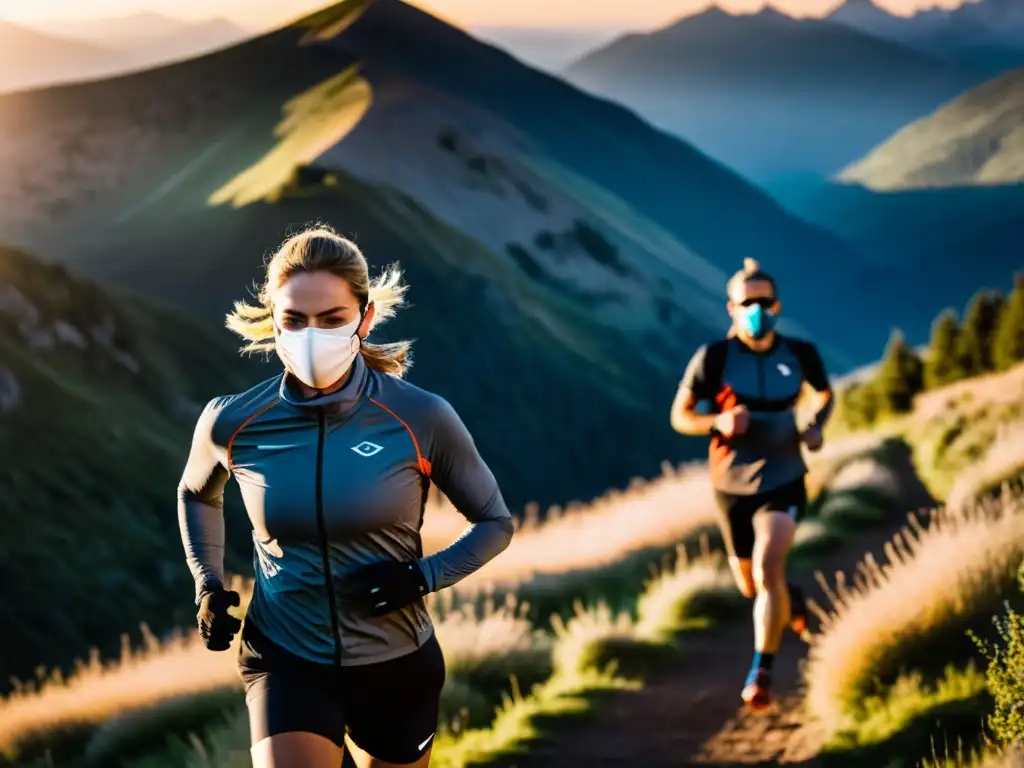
(340, 401)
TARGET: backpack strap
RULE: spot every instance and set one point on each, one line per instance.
(714, 363)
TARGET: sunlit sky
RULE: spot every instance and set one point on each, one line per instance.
(267, 13)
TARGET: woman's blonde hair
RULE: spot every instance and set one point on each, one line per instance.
(315, 249)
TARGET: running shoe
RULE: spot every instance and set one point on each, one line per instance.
(757, 694)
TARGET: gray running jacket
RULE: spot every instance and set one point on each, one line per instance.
(332, 484)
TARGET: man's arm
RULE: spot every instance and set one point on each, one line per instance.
(816, 378)
(685, 419)
(694, 387)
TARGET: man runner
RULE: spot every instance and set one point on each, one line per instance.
(753, 380)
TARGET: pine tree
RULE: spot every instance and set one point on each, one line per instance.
(859, 404)
(1008, 344)
(977, 334)
(900, 375)
(943, 363)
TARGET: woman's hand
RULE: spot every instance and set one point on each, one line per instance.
(217, 627)
(380, 588)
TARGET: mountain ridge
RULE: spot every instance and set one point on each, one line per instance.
(768, 94)
(975, 139)
(987, 35)
(30, 58)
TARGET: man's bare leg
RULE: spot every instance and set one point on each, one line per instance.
(773, 537)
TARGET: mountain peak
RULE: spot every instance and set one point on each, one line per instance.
(715, 16)
(851, 10)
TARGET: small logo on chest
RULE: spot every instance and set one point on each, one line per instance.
(366, 448)
(784, 369)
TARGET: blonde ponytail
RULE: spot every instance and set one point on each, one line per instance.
(320, 248)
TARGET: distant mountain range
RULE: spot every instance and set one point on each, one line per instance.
(89, 49)
(943, 197)
(976, 139)
(771, 95)
(151, 38)
(29, 58)
(546, 48)
(987, 35)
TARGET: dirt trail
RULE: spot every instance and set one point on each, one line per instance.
(689, 713)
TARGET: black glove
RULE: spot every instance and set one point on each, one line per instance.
(383, 587)
(217, 627)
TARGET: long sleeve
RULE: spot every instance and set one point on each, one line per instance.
(461, 474)
(201, 505)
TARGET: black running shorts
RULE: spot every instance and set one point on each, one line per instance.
(390, 709)
(736, 513)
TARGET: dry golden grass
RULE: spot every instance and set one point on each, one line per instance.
(653, 513)
(650, 513)
(497, 637)
(675, 596)
(970, 395)
(952, 429)
(935, 580)
(97, 692)
(490, 642)
(1003, 462)
(1010, 757)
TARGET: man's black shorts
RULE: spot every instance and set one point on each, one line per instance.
(389, 709)
(736, 513)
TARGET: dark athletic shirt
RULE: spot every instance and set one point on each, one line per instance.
(728, 373)
(332, 484)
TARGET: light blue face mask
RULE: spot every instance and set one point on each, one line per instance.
(755, 321)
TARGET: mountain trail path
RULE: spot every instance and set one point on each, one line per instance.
(689, 713)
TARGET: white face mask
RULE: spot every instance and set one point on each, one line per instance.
(319, 357)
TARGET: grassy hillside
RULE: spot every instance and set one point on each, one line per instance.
(896, 677)
(556, 245)
(768, 94)
(976, 139)
(98, 394)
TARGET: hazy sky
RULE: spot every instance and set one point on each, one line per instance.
(266, 13)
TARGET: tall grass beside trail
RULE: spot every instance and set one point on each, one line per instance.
(900, 624)
(1002, 464)
(104, 710)
(655, 513)
(1004, 678)
(954, 429)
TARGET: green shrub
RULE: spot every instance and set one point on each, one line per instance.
(1005, 673)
